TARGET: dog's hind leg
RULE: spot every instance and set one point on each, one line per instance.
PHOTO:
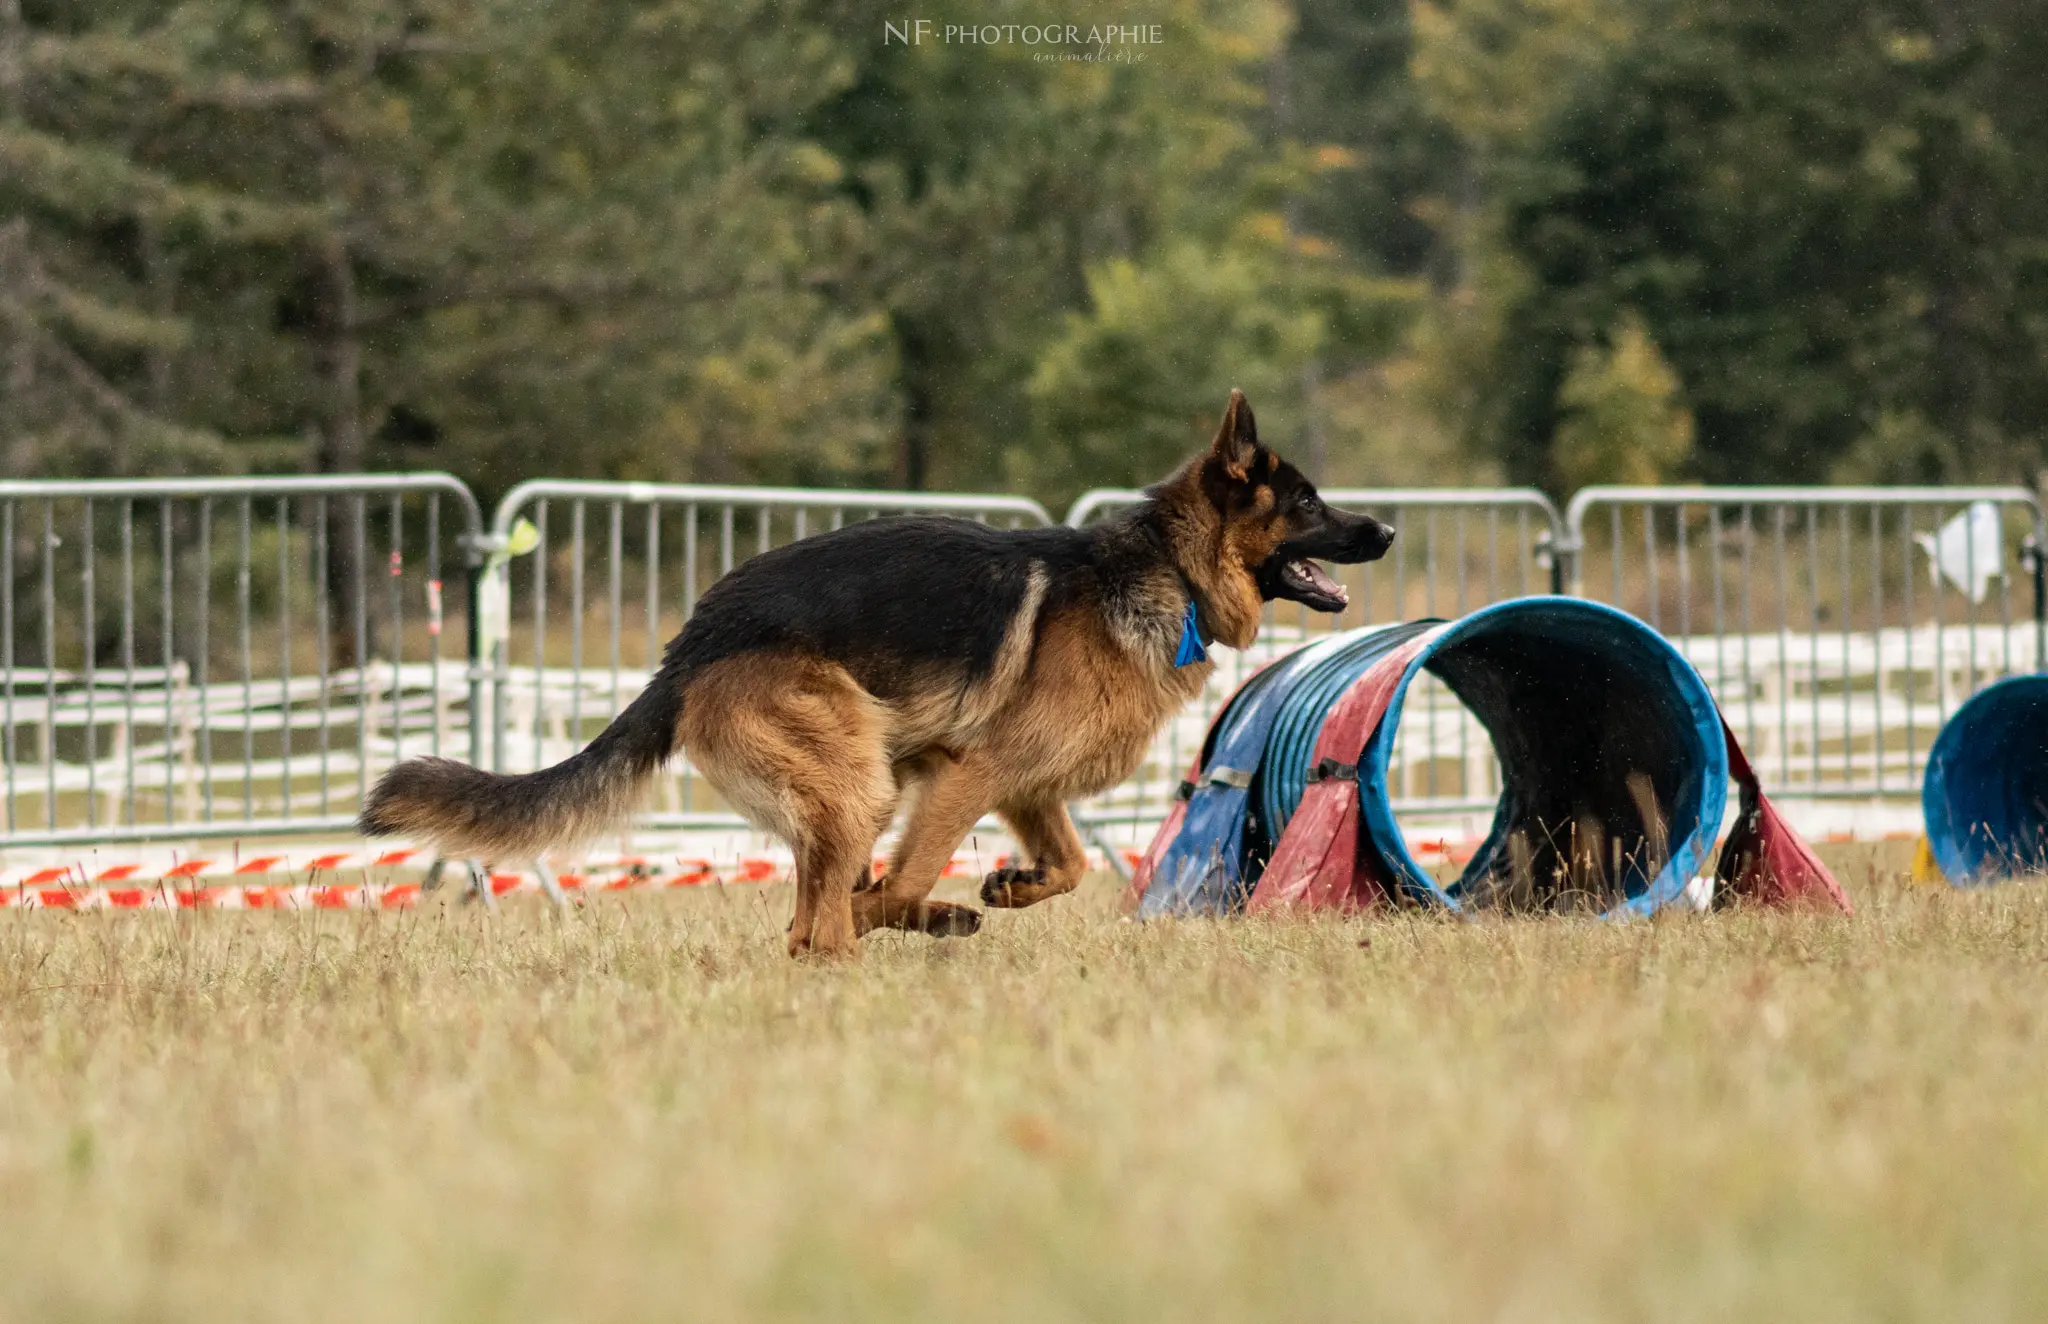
(800, 748)
(828, 864)
(1058, 858)
(837, 807)
(953, 793)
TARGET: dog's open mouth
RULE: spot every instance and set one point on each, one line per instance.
(1309, 584)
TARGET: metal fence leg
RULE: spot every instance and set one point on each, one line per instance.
(480, 886)
(548, 883)
(1093, 832)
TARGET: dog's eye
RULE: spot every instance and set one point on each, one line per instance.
(1311, 504)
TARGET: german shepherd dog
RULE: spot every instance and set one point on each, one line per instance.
(955, 667)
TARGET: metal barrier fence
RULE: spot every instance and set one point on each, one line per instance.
(1454, 551)
(621, 579)
(216, 657)
(1839, 627)
(207, 657)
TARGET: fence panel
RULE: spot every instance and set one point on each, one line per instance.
(1454, 551)
(1838, 626)
(239, 656)
(575, 627)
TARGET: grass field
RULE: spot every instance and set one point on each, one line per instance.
(645, 1111)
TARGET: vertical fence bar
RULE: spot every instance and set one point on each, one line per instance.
(1848, 675)
(128, 652)
(1493, 554)
(1653, 590)
(689, 561)
(1464, 726)
(1911, 677)
(541, 557)
(1715, 573)
(1403, 522)
(1877, 638)
(242, 578)
(1429, 571)
(323, 645)
(1614, 549)
(485, 653)
(2040, 578)
(359, 596)
(1813, 634)
(173, 739)
(1784, 645)
(49, 727)
(323, 641)
(1970, 596)
(653, 649)
(1522, 550)
(285, 704)
(577, 521)
(2004, 607)
(1748, 623)
(616, 551)
(1684, 576)
(435, 607)
(395, 605)
(1365, 614)
(1969, 576)
(7, 633)
(89, 641)
(1940, 641)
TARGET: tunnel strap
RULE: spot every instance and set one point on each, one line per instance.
(1240, 778)
(1331, 770)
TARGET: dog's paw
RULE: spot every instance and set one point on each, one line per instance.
(942, 919)
(1008, 888)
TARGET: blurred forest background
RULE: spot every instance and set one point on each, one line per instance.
(1438, 241)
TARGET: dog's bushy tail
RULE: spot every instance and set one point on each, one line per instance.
(465, 811)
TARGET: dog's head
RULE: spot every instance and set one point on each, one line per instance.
(1269, 528)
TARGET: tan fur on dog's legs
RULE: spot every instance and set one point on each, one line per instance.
(1057, 857)
(826, 871)
(799, 747)
(952, 794)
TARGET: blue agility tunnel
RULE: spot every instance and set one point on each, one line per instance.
(1211, 864)
(1986, 791)
(1615, 767)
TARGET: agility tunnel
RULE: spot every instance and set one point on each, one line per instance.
(1985, 795)
(1615, 766)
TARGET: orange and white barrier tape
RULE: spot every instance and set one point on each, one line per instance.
(362, 879)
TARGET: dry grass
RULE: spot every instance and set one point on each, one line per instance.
(645, 1112)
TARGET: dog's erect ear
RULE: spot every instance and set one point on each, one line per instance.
(1237, 441)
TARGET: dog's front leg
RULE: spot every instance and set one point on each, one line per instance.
(951, 796)
(1058, 859)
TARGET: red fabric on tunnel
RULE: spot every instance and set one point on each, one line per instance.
(1321, 861)
(1764, 860)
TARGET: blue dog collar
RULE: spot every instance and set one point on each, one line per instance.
(1191, 650)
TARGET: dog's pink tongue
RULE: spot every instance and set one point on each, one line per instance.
(1323, 583)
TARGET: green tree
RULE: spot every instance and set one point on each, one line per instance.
(1831, 218)
(1621, 416)
(487, 234)
(997, 177)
